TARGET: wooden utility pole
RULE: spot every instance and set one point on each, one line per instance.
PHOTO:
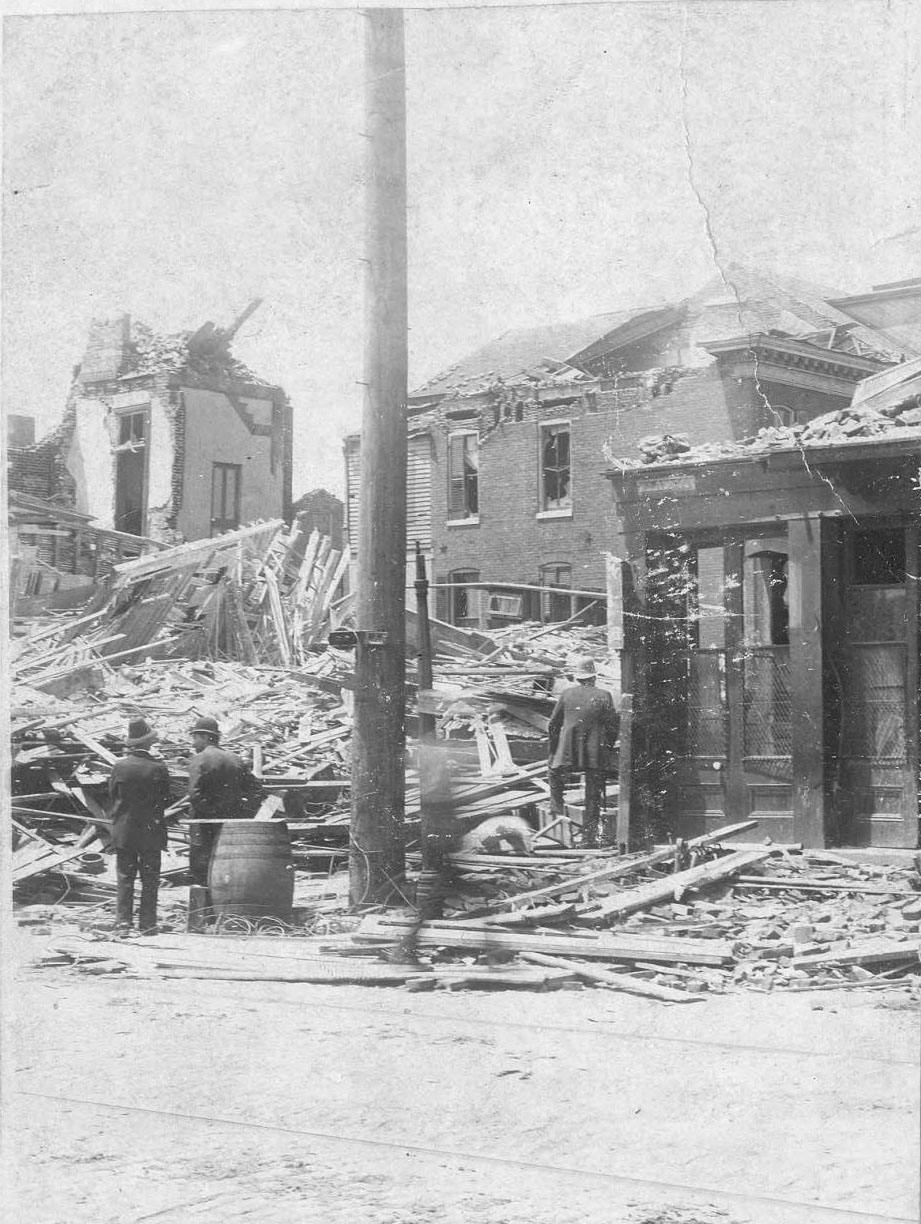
(378, 772)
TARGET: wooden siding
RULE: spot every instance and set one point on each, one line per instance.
(418, 492)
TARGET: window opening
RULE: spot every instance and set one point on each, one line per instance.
(555, 607)
(460, 601)
(225, 497)
(463, 476)
(765, 606)
(556, 490)
(131, 472)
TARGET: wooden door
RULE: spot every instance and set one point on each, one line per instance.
(878, 664)
(735, 754)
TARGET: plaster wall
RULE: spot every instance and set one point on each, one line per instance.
(90, 462)
(215, 433)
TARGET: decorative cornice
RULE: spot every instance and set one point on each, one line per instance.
(798, 354)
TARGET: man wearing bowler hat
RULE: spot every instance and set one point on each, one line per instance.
(221, 787)
(583, 730)
(139, 789)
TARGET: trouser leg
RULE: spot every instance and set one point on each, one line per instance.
(594, 787)
(149, 864)
(201, 844)
(126, 866)
(557, 779)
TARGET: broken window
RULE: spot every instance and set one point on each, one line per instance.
(131, 472)
(765, 608)
(555, 470)
(132, 430)
(225, 497)
(556, 607)
(461, 602)
(463, 476)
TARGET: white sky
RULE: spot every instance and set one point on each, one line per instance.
(563, 161)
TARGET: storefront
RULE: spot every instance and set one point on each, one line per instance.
(771, 641)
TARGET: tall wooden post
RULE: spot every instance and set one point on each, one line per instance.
(804, 595)
(376, 858)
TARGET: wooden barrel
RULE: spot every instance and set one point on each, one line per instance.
(252, 872)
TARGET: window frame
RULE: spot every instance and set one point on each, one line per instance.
(545, 511)
(224, 468)
(128, 412)
(456, 594)
(549, 597)
(465, 516)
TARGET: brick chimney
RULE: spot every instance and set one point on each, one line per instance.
(106, 349)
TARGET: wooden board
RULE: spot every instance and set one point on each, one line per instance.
(588, 945)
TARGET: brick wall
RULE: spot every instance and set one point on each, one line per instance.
(509, 541)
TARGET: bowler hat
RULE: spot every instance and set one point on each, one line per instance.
(583, 669)
(208, 726)
(139, 734)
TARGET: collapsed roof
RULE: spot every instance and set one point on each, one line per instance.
(740, 301)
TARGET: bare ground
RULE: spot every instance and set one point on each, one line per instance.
(178, 1100)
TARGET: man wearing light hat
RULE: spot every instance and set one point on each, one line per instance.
(221, 787)
(582, 733)
(139, 789)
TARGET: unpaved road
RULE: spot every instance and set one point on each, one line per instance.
(177, 1100)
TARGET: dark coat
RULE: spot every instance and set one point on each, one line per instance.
(221, 787)
(140, 792)
(583, 729)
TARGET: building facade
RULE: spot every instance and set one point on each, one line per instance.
(771, 628)
(508, 448)
(164, 437)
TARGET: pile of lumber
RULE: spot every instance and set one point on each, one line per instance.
(259, 595)
(674, 922)
(648, 924)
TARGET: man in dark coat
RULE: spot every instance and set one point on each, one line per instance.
(221, 787)
(139, 789)
(582, 734)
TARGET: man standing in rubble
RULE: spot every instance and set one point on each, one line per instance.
(221, 787)
(583, 732)
(139, 789)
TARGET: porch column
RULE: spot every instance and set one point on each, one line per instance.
(804, 593)
(633, 685)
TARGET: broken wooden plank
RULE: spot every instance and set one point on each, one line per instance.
(616, 981)
(670, 888)
(805, 884)
(622, 866)
(867, 952)
(195, 550)
(594, 946)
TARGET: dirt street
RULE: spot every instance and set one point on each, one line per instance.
(178, 1100)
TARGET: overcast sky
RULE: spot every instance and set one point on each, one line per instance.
(563, 161)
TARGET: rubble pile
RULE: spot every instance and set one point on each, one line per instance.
(757, 918)
(259, 595)
(853, 424)
(674, 923)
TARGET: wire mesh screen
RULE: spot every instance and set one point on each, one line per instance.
(874, 714)
(767, 703)
(707, 708)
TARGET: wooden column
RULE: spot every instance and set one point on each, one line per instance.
(804, 592)
(631, 822)
(912, 680)
(376, 859)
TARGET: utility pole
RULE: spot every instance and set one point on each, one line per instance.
(376, 858)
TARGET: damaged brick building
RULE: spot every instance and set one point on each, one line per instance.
(165, 437)
(507, 449)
